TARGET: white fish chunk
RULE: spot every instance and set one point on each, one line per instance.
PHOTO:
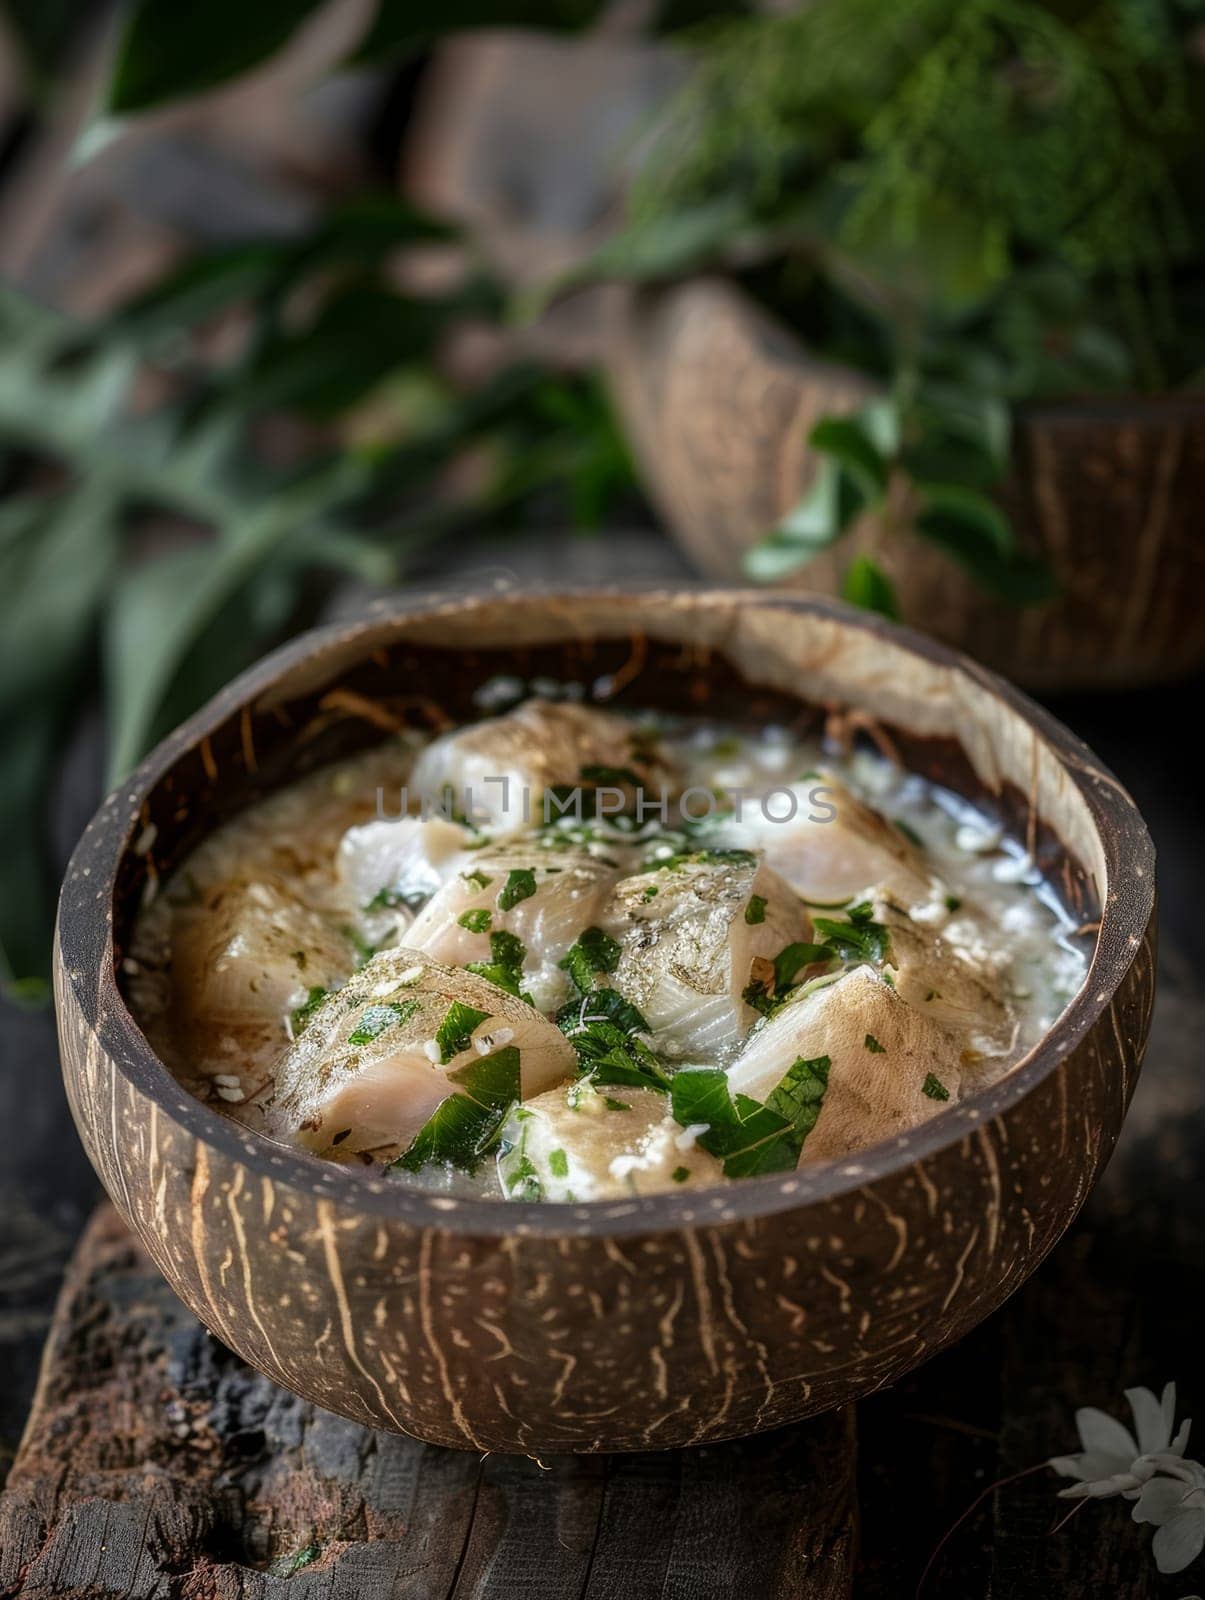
(691, 932)
(545, 895)
(831, 846)
(377, 1057)
(503, 766)
(959, 984)
(397, 863)
(891, 1068)
(250, 952)
(579, 1142)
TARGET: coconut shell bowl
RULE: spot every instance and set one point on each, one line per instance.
(661, 1321)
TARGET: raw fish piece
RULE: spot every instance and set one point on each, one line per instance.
(579, 1142)
(890, 1067)
(376, 1058)
(690, 933)
(543, 894)
(251, 952)
(503, 766)
(833, 847)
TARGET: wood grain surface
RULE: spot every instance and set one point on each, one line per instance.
(157, 1464)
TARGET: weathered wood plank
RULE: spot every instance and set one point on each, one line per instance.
(156, 1466)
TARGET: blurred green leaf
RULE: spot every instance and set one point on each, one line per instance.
(829, 508)
(848, 441)
(169, 50)
(976, 533)
(867, 585)
(56, 560)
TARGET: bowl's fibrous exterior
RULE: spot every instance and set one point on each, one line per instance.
(663, 1321)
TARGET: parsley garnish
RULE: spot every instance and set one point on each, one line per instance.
(520, 885)
(601, 1026)
(747, 1136)
(614, 777)
(873, 1045)
(477, 878)
(302, 1016)
(376, 1018)
(463, 1128)
(476, 921)
(909, 833)
(505, 965)
(755, 911)
(455, 1032)
(680, 1174)
(859, 939)
(934, 1088)
(558, 1163)
(953, 902)
(386, 899)
(593, 951)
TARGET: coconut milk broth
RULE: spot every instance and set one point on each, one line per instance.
(986, 887)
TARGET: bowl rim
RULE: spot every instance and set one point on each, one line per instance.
(83, 946)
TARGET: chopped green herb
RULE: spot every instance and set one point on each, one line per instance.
(873, 1045)
(616, 1105)
(602, 1027)
(909, 833)
(953, 902)
(301, 1017)
(800, 1094)
(464, 1127)
(594, 951)
(613, 777)
(934, 1088)
(755, 911)
(558, 1163)
(300, 957)
(364, 950)
(747, 1136)
(768, 985)
(476, 921)
(859, 939)
(376, 1018)
(477, 878)
(680, 1174)
(650, 893)
(386, 899)
(932, 995)
(455, 1032)
(520, 885)
(505, 965)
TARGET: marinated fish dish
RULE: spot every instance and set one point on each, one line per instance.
(567, 954)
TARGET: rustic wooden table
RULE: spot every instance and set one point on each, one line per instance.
(155, 1464)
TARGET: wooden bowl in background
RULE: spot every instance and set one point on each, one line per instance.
(717, 401)
(653, 1322)
(527, 142)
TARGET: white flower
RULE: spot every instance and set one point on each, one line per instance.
(1113, 1461)
(1176, 1506)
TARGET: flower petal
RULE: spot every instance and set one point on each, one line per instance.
(1151, 1422)
(1160, 1499)
(1104, 1435)
(1179, 1542)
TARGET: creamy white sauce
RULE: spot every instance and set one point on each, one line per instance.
(981, 895)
